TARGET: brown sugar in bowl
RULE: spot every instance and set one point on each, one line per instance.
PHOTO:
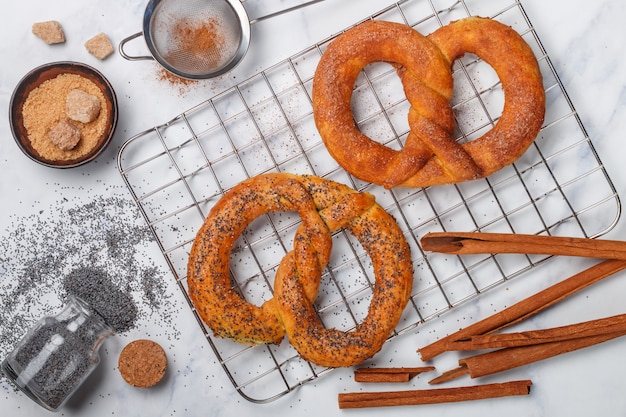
(34, 79)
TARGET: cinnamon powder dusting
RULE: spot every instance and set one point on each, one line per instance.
(182, 84)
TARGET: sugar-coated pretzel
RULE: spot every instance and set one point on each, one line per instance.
(324, 207)
(430, 156)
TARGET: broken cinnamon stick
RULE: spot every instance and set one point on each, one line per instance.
(525, 308)
(477, 242)
(433, 396)
(450, 375)
(389, 374)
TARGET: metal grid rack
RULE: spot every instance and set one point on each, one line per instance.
(178, 170)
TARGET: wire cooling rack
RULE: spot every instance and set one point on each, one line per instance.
(178, 170)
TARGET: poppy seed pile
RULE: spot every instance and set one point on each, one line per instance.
(99, 251)
(116, 307)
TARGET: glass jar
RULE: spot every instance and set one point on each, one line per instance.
(56, 356)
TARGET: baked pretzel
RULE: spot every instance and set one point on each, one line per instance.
(324, 207)
(430, 155)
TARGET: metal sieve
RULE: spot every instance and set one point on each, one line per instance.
(197, 39)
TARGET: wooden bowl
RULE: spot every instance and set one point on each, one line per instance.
(47, 72)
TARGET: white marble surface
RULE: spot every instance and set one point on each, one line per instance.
(584, 40)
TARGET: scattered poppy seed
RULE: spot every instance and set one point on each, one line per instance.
(100, 251)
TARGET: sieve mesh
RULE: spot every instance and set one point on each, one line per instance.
(195, 37)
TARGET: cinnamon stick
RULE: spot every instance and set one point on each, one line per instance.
(433, 396)
(525, 308)
(389, 374)
(477, 242)
(504, 359)
(614, 324)
(523, 348)
(450, 375)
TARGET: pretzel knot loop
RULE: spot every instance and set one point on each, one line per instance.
(430, 155)
(324, 207)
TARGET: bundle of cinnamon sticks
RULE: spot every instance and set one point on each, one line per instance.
(510, 350)
(504, 350)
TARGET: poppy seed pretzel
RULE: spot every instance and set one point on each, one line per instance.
(324, 207)
(430, 156)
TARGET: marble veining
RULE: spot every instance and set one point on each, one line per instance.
(584, 42)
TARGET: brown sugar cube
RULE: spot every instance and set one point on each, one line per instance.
(82, 106)
(64, 135)
(99, 46)
(50, 32)
(142, 363)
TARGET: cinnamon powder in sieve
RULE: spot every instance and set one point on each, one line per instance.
(45, 106)
(198, 42)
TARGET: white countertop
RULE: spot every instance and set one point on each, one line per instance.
(584, 42)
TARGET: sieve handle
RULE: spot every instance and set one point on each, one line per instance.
(131, 57)
(283, 11)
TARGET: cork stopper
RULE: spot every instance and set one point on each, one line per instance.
(142, 363)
